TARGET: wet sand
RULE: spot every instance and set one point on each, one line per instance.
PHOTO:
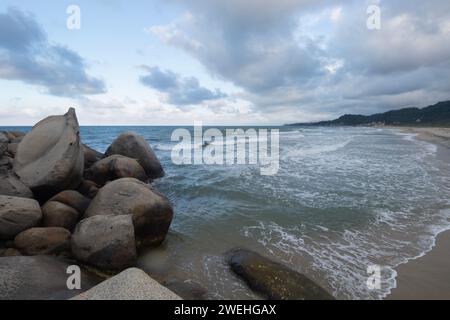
(427, 277)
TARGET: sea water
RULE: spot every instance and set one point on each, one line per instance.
(343, 200)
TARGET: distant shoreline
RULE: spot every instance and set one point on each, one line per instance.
(427, 277)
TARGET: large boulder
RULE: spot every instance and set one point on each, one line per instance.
(50, 159)
(43, 241)
(113, 168)
(273, 280)
(39, 278)
(106, 242)
(64, 210)
(131, 284)
(91, 156)
(131, 145)
(151, 211)
(10, 185)
(17, 215)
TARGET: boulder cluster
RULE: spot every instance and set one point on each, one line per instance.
(61, 197)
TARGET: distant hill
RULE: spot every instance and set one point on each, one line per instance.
(435, 115)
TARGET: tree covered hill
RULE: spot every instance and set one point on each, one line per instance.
(435, 115)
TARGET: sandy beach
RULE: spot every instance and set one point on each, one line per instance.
(427, 277)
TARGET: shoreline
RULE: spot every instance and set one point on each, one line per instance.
(426, 277)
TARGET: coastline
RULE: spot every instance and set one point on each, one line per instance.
(426, 277)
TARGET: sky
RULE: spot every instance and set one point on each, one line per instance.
(222, 62)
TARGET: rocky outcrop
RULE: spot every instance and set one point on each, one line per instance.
(17, 215)
(43, 241)
(131, 284)
(49, 159)
(133, 146)
(273, 280)
(151, 212)
(106, 242)
(65, 209)
(91, 156)
(10, 185)
(39, 278)
(113, 168)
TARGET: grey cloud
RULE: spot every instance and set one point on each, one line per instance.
(180, 90)
(251, 43)
(28, 56)
(266, 48)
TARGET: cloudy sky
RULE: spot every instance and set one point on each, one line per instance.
(220, 62)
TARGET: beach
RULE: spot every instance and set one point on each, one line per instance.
(427, 277)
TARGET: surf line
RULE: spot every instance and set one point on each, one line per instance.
(235, 147)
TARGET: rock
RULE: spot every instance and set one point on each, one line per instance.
(3, 143)
(88, 189)
(187, 289)
(43, 241)
(57, 214)
(73, 199)
(272, 279)
(131, 284)
(17, 215)
(106, 242)
(10, 252)
(4, 161)
(10, 185)
(91, 156)
(131, 145)
(14, 135)
(113, 168)
(152, 212)
(12, 148)
(50, 159)
(39, 278)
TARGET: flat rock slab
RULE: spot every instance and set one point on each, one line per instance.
(272, 279)
(39, 278)
(131, 284)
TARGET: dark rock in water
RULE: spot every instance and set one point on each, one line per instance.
(17, 215)
(186, 289)
(43, 241)
(91, 156)
(152, 212)
(113, 168)
(131, 145)
(88, 189)
(272, 279)
(10, 185)
(50, 159)
(39, 278)
(106, 242)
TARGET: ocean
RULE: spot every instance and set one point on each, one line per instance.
(344, 199)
